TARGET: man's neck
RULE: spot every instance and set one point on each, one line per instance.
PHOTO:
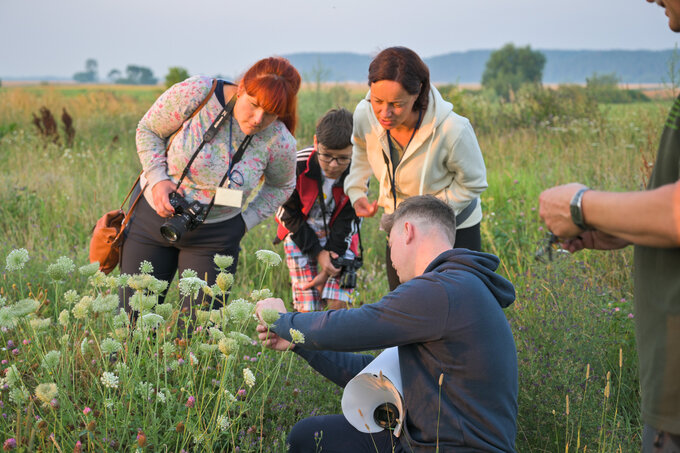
(427, 252)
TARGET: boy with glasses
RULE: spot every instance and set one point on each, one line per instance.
(318, 223)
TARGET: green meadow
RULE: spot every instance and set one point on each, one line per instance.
(75, 376)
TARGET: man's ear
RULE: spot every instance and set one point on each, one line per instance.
(409, 232)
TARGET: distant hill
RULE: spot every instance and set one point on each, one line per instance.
(562, 66)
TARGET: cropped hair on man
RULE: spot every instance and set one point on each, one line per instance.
(334, 129)
(425, 208)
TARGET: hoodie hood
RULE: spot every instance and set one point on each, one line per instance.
(482, 265)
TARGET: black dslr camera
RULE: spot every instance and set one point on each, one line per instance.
(187, 217)
(348, 274)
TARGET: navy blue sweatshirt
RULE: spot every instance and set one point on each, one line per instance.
(449, 321)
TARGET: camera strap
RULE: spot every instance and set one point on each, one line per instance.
(356, 221)
(393, 154)
(209, 135)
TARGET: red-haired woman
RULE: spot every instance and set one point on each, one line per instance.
(410, 138)
(255, 142)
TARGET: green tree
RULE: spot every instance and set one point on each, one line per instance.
(175, 74)
(90, 73)
(138, 75)
(511, 67)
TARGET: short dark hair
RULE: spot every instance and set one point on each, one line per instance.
(427, 208)
(334, 129)
(402, 65)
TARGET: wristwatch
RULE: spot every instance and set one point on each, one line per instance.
(576, 210)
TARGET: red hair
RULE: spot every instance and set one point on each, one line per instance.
(274, 82)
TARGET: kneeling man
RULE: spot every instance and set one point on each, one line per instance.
(446, 319)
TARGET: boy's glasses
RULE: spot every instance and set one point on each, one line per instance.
(327, 158)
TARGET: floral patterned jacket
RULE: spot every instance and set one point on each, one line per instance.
(269, 157)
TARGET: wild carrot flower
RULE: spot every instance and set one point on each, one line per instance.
(46, 392)
(109, 380)
(103, 304)
(51, 360)
(248, 377)
(8, 320)
(223, 261)
(25, 307)
(268, 257)
(241, 338)
(297, 336)
(64, 318)
(240, 310)
(16, 260)
(190, 286)
(141, 302)
(269, 316)
(89, 270)
(145, 267)
(152, 320)
(71, 296)
(216, 334)
(223, 422)
(165, 310)
(109, 346)
(228, 346)
(40, 323)
(19, 395)
(145, 390)
(224, 281)
(260, 294)
(60, 270)
(12, 375)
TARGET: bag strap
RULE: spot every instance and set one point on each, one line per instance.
(126, 219)
(465, 213)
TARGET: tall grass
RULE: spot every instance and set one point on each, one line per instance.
(572, 318)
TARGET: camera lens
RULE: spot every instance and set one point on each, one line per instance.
(173, 228)
(386, 415)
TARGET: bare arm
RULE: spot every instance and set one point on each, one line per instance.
(650, 218)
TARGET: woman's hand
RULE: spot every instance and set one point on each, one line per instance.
(161, 197)
(364, 208)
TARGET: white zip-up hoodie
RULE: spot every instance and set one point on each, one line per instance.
(443, 159)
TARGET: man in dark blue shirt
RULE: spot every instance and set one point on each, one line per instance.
(447, 321)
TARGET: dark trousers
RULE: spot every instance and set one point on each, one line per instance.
(194, 250)
(334, 434)
(655, 441)
(466, 238)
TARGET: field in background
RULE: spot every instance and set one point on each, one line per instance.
(572, 320)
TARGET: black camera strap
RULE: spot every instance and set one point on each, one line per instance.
(237, 157)
(209, 135)
(356, 220)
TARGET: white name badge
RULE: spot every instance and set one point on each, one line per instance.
(229, 197)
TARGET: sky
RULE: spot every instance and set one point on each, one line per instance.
(40, 38)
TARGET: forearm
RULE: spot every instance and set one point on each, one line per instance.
(338, 367)
(356, 182)
(650, 218)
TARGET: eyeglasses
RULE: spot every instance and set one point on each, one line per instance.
(327, 158)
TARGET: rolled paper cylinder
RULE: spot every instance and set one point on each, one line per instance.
(374, 396)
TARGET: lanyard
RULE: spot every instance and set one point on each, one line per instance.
(393, 174)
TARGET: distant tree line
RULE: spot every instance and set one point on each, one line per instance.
(134, 75)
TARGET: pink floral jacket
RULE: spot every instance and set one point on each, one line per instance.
(270, 156)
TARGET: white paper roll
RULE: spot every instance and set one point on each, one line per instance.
(377, 384)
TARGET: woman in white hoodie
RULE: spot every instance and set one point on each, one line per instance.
(410, 138)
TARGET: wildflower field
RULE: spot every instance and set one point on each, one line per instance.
(76, 375)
